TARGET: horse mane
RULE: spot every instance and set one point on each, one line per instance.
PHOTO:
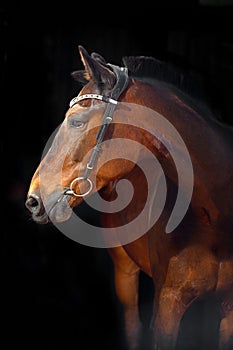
(189, 86)
(147, 68)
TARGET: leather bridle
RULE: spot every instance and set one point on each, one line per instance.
(122, 78)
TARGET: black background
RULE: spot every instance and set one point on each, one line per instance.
(57, 293)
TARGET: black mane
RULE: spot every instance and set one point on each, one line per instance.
(189, 86)
(148, 68)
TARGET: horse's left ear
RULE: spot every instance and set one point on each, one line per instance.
(96, 69)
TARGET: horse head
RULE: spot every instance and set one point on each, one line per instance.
(61, 181)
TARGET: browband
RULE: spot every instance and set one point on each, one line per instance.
(95, 96)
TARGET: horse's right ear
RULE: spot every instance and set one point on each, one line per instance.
(80, 76)
(96, 69)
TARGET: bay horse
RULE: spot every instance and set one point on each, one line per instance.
(193, 257)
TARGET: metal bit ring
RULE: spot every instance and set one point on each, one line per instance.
(72, 192)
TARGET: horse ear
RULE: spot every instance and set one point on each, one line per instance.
(80, 76)
(95, 68)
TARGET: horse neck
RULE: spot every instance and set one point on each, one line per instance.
(209, 148)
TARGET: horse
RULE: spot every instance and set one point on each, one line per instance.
(166, 138)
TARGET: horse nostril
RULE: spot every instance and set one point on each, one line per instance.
(33, 203)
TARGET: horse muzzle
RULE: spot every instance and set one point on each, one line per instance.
(56, 209)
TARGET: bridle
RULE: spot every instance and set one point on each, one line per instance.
(121, 84)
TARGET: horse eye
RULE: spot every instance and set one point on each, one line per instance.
(77, 124)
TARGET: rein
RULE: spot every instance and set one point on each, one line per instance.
(121, 84)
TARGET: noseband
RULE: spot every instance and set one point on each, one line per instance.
(121, 84)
